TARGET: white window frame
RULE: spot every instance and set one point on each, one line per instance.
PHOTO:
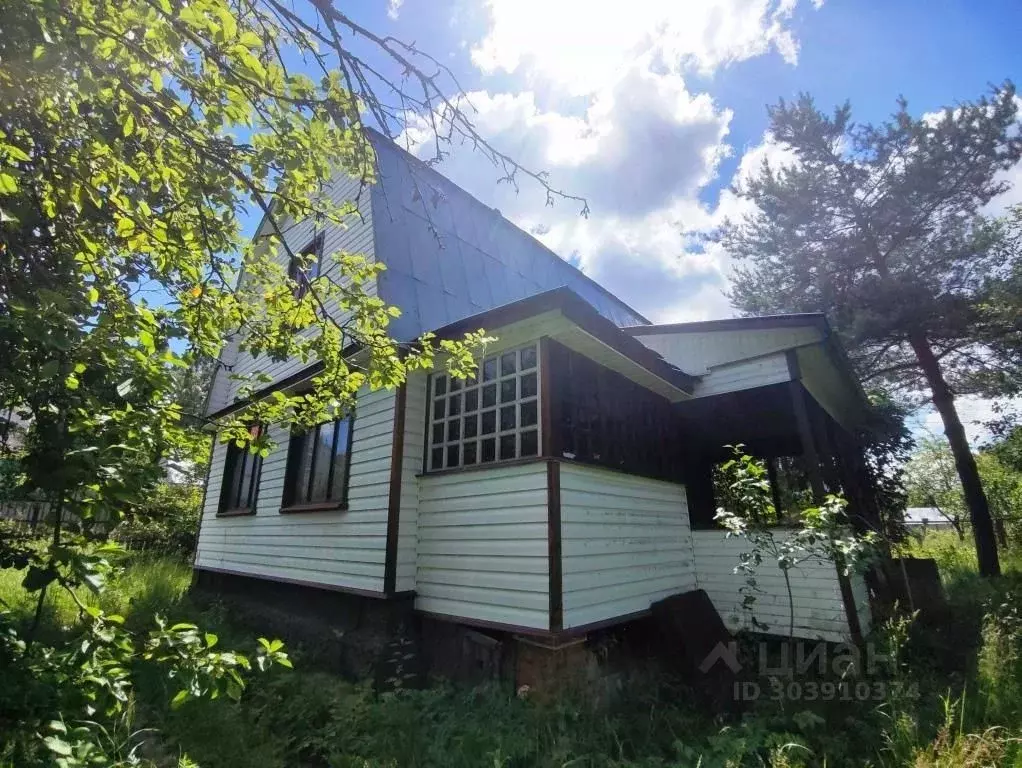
(445, 388)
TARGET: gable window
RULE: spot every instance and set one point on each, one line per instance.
(305, 266)
(493, 417)
(241, 479)
(318, 463)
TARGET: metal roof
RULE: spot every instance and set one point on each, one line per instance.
(449, 257)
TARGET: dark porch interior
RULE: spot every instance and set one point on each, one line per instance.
(782, 425)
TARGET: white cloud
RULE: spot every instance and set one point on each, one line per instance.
(640, 146)
(580, 45)
(639, 154)
(394, 8)
(975, 412)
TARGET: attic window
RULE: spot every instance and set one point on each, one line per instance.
(305, 266)
(494, 417)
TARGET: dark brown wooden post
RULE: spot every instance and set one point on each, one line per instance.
(807, 440)
(810, 452)
(775, 487)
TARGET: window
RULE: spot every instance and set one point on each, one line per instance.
(493, 417)
(305, 266)
(317, 466)
(241, 479)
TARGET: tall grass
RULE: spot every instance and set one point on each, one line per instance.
(966, 715)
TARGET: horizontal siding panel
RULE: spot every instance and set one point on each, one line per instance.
(819, 609)
(599, 548)
(581, 565)
(759, 372)
(344, 548)
(313, 577)
(482, 548)
(625, 543)
(480, 501)
(482, 531)
(533, 619)
(482, 545)
(641, 583)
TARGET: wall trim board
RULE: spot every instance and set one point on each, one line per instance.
(553, 486)
(397, 450)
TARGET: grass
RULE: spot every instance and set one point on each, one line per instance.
(966, 668)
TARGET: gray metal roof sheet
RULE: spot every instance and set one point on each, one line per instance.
(449, 257)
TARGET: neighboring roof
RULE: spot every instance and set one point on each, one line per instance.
(925, 516)
(582, 314)
(449, 256)
(792, 320)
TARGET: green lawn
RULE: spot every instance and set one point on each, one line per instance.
(307, 717)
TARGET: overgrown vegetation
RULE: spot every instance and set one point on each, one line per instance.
(959, 703)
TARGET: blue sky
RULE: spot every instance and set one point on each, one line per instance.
(651, 108)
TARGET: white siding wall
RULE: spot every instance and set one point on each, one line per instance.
(698, 351)
(411, 466)
(625, 543)
(342, 549)
(482, 550)
(819, 610)
(357, 237)
(745, 374)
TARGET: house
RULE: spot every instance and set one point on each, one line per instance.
(569, 486)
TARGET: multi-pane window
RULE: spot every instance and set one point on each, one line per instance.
(304, 266)
(317, 465)
(493, 417)
(241, 478)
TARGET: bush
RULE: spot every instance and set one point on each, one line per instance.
(167, 522)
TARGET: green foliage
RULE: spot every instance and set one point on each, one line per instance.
(933, 482)
(879, 226)
(822, 533)
(165, 521)
(308, 717)
(74, 700)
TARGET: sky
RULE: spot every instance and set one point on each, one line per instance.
(650, 109)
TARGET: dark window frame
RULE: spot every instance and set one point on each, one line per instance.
(232, 491)
(294, 501)
(303, 276)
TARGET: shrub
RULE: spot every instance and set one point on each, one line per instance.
(166, 522)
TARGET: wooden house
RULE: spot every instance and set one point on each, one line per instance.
(566, 488)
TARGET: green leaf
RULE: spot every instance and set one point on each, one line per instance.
(128, 127)
(37, 578)
(8, 184)
(157, 79)
(180, 698)
(58, 746)
(71, 382)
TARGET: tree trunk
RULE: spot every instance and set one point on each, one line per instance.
(1002, 532)
(965, 462)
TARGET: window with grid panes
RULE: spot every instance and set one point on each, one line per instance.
(493, 417)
